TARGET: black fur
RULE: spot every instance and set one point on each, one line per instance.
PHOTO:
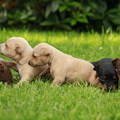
(106, 73)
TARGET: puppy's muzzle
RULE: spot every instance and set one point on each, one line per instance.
(31, 64)
(109, 88)
(112, 87)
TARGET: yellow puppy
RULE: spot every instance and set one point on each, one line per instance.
(63, 67)
(19, 50)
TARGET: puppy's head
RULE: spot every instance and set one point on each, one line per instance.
(13, 47)
(116, 63)
(40, 55)
(107, 76)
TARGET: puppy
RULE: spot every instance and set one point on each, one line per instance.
(63, 67)
(18, 49)
(106, 74)
(116, 63)
(5, 73)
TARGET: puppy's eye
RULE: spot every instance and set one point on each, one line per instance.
(34, 56)
(102, 80)
(6, 45)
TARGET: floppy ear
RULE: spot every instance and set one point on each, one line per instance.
(114, 61)
(45, 52)
(96, 68)
(18, 49)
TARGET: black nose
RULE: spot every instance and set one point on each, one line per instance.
(109, 88)
(29, 63)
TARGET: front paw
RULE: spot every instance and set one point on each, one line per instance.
(54, 85)
(16, 86)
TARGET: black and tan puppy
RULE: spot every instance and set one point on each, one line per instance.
(106, 73)
(5, 74)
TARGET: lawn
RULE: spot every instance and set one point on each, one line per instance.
(38, 101)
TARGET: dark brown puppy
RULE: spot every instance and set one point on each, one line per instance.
(116, 63)
(5, 74)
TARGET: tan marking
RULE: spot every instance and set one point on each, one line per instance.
(104, 87)
(115, 86)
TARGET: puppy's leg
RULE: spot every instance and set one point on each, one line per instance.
(27, 74)
(10, 64)
(24, 79)
(46, 74)
(45, 71)
(58, 81)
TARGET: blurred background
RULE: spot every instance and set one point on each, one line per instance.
(82, 15)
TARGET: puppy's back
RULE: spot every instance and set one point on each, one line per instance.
(82, 68)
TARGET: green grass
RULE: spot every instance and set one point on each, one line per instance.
(38, 101)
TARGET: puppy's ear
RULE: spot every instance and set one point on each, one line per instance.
(114, 61)
(18, 49)
(96, 68)
(45, 52)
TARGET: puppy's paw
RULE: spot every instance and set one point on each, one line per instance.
(16, 86)
(21, 83)
(54, 85)
(46, 71)
(1, 68)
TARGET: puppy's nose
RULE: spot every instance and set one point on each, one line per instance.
(29, 63)
(109, 88)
